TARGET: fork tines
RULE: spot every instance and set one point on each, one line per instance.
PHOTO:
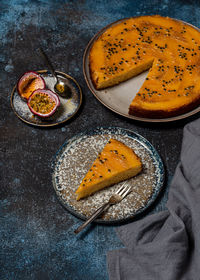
(123, 190)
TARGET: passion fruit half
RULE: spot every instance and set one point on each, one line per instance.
(43, 102)
(28, 83)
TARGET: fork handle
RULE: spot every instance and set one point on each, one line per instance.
(97, 213)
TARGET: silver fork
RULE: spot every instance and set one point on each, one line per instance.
(115, 198)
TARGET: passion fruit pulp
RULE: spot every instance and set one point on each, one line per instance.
(43, 102)
(28, 83)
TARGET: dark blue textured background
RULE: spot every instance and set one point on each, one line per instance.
(36, 232)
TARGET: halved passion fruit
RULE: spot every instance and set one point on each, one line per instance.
(28, 83)
(43, 102)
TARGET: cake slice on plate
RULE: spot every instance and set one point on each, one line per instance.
(116, 162)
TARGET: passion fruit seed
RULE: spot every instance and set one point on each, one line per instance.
(43, 103)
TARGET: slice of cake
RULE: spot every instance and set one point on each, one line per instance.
(115, 163)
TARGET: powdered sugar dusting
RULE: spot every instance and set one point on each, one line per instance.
(75, 158)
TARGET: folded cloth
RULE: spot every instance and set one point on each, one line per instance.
(166, 245)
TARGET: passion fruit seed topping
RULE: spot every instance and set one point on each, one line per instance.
(42, 103)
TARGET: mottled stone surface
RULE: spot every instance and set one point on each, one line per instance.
(36, 232)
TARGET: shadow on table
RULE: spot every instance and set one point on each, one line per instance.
(161, 125)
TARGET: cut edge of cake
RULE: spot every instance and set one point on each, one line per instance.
(122, 77)
(109, 182)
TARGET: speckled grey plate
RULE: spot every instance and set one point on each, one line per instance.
(113, 98)
(67, 109)
(77, 154)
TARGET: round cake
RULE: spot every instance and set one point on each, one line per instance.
(169, 48)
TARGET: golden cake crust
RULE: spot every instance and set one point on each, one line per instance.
(169, 48)
(116, 162)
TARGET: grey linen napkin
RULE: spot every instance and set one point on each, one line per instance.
(166, 245)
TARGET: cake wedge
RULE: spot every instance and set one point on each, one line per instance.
(115, 163)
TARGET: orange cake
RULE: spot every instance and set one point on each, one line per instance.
(115, 163)
(169, 48)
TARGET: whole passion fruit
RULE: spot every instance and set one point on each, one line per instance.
(28, 83)
(43, 102)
